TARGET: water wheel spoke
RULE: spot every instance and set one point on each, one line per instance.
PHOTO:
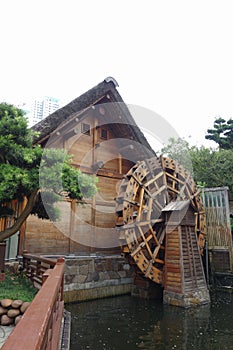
(175, 179)
(156, 251)
(139, 247)
(156, 221)
(159, 261)
(173, 189)
(155, 194)
(154, 180)
(130, 201)
(141, 197)
(145, 240)
(148, 271)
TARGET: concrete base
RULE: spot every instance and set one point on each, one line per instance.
(196, 298)
(96, 292)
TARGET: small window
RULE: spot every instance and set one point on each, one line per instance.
(86, 129)
(104, 134)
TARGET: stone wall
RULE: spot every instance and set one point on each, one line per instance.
(96, 277)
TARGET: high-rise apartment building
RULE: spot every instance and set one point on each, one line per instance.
(41, 108)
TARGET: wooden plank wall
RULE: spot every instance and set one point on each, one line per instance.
(9, 221)
(183, 266)
(194, 277)
(90, 227)
(173, 268)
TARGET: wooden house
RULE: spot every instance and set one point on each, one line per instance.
(99, 131)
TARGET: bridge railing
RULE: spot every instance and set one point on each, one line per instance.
(40, 326)
(35, 266)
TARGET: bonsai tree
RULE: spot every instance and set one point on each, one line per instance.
(222, 133)
(32, 173)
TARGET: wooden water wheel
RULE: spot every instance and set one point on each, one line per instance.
(145, 190)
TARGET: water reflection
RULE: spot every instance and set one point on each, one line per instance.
(127, 323)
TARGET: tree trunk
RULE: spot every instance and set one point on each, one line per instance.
(2, 260)
(20, 220)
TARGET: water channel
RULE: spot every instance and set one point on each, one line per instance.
(129, 323)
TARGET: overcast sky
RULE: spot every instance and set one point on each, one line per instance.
(174, 58)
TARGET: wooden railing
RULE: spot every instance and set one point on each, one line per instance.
(40, 326)
(35, 266)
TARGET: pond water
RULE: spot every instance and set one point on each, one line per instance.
(129, 323)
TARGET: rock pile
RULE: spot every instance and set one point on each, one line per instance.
(11, 311)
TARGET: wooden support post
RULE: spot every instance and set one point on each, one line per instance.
(120, 163)
(184, 279)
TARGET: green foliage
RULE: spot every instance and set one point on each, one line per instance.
(204, 165)
(222, 133)
(86, 184)
(178, 149)
(17, 286)
(13, 126)
(211, 168)
(26, 169)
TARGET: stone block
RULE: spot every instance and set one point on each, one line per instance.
(81, 278)
(71, 269)
(126, 267)
(82, 262)
(6, 320)
(83, 270)
(24, 306)
(99, 266)
(69, 279)
(113, 275)
(103, 276)
(108, 265)
(6, 302)
(16, 304)
(122, 274)
(3, 310)
(91, 266)
(13, 313)
(92, 276)
(17, 319)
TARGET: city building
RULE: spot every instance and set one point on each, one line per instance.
(40, 108)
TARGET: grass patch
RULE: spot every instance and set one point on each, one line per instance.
(17, 286)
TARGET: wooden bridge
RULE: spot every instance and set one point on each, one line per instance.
(40, 327)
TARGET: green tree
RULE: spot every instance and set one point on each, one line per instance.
(204, 166)
(42, 176)
(209, 167)
(222, 133)
(178, 149)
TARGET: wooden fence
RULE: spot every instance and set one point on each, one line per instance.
(40, 326)
(219, 236)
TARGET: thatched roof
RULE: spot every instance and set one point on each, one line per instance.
(104, 92)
